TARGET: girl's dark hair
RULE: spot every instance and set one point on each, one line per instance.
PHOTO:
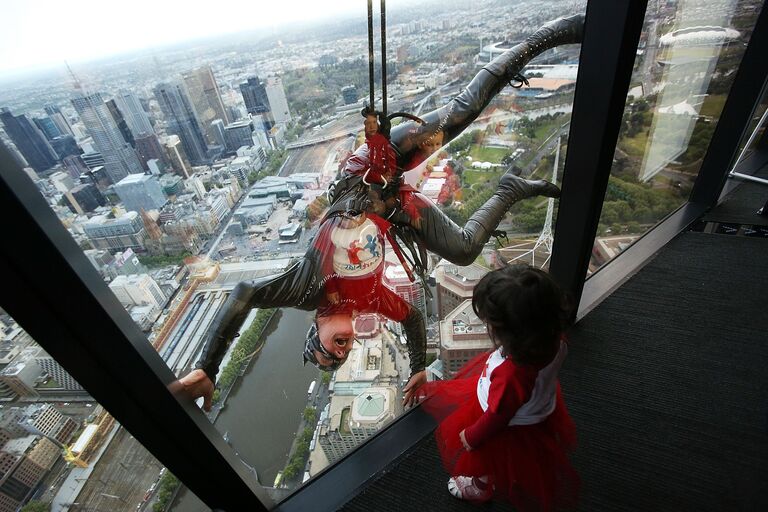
(525, 310)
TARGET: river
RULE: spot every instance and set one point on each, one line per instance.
(264, 409)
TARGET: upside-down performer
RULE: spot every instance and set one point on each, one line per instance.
(371, 184)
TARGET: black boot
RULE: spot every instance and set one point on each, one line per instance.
(463, 245)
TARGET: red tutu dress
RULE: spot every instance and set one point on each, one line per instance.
(516, 422)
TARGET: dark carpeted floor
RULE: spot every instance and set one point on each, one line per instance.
(667, 381)
(741, 206)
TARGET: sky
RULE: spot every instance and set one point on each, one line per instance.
(42, 33)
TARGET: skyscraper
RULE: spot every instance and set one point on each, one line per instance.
(237, 135)
(206, 99)
(29, 140)
(149, 148)
(179, 161)
(134, 114)
(120, 159)
(48, 127)
(255, 96)
(54, 112)
(122, 125)
(277, 101)
(181, 119)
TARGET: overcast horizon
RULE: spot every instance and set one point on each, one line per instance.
(75, 46)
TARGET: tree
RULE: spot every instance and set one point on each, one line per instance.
(36, 506)
(310, 415)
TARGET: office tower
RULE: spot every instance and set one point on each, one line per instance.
(256, 100)
(235, 112)
(455, 285)
(176, 155)
(48, 127)
(206, 99)
(65, 146)
(116, 234)
(277, 101)
(218, 131)
(237, 135)
(85, 197)
(134, 114)
(29, 140)
(120, 159)
(122, 125)
(462, 337)
(137, 290)
(181, 120)
(140, 192)
(149, 148)
(54, 112)
(255, 96)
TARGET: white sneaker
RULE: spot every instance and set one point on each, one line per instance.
(464, 488)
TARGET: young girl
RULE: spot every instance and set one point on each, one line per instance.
(504, 428)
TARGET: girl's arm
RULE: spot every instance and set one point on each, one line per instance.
(507, 393)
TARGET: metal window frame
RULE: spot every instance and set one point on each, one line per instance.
(611, 34)
(57, 296)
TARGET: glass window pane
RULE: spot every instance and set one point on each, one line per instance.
(686, 62)
(60, 447)
(183, 166)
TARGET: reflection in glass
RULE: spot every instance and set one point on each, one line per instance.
(686, 61)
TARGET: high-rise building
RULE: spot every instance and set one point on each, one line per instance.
(277, 100)
(135, 116)
(29, 140)
(255, 95)
(181, 119)
(462, 337)
(120, 159)
(206, 99)
(140, 192)
(256, 100)
(85, 198)
(23, 463)
(218, 131)
(22, 373)
(121, 123)
(65, 146)
(149, 148)
(116, 234)
(396, 279)
(176, 155)
(455, 285)
(54, 112)
(238, 134)
(137, 290)
(48, 127)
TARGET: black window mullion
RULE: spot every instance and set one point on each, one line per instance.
(56, 295)
(611, 34)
